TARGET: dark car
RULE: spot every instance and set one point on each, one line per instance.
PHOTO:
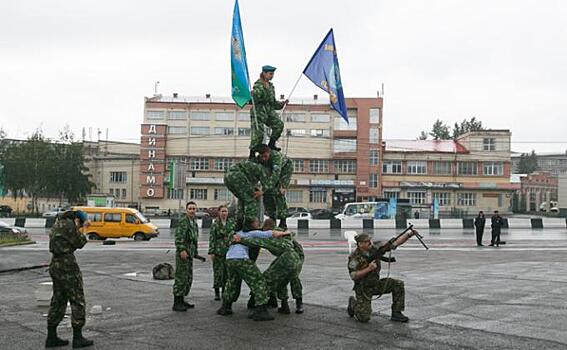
(201, 213)
(322, 214)
(5, 210)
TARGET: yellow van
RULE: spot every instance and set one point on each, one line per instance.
(117, 223)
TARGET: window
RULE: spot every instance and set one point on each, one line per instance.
(155, 115)
(296, 118)
(466, 168)
(298, 165)
(131, 219)
(94, 217)
(489, 144)
(200, 115)
(117, 192)
(222, 194)
(416, 197)
(392, 167)
(444, 198)
(345, 166)
(318, 196)
(223, 163)
(320, 118)
(391, 194)
(200, 163)
(493, 168)
(374, 115)
(224, 131)
(442, 168)
(123, 193)
(374, 157)
(199, 193)
(177, 115)
(294, 196)
(297, 132)
(319, 166)
(467, 199)
(344, 145)
(244, 116)
(319, 132)
(175, 193)
(243, 131)
(112, 217)
(118, 176)
(177, 130)
(200, 130)
(341, 124)
(373, 135)
(373, 180)
(224, 116)
(417, 167)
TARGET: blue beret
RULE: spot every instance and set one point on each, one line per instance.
(268, 68)
(81, 215)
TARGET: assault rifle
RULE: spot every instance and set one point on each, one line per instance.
(377, 253)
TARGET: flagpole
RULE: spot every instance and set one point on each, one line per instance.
(285, 106)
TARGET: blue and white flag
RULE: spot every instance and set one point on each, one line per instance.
(239, 68)
(323, 71)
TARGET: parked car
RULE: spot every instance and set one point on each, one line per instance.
(201, 213)
(553, 207)
(301, 215)
(5, 210)
(293, 210)
(5, 228)
(322, 214)
(53, 212)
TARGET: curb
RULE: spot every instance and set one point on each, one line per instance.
(18, 269)
(16, 244)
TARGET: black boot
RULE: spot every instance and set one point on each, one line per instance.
(350, 308)
(217, 294)
(261, 314)
(399, 317)
(283, 224)
(225, 310)
(78, 340)
(251, 303)
(299, 305)
(284, 309)
(273, 302)
(178, 304)
(52, 339)
(272, 145)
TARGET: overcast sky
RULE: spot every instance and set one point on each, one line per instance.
(89, 63)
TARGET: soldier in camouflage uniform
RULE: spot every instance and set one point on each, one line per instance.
(220, 238)
(240, 267)
(242, 180)
(264, 111)
(280, 170)
(186, 236)
(64, 239)
(367, 281)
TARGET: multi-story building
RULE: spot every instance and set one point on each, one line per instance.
(535, 189)
(199, 138)
(465, 175)
(554, 163)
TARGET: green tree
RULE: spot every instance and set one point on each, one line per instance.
(528, 163)
(440, 131)
(467, 126)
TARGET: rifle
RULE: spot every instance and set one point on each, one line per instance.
(378, 253)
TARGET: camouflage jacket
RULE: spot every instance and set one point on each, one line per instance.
(279, 171)
(254, 172)
(298, 249)
(357, 261)
(220, 237)
(64, 239)
(265, 96)
(276, 246)
(186, 236)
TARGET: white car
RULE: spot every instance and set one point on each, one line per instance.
(4, 227)
(53, 213)
(301, 215)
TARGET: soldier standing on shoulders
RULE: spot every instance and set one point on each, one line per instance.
(220, 238)
(64, 239)
(265, 106)
(186, 236)
(367, 281)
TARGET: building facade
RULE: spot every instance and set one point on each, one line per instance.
(535, 189)
(188, 143)
(553, 163)
(465, 175)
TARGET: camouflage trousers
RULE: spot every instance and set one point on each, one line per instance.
(183, 276)
(244, 269)
(275, 204)
(67, 287)
(371, 287)
(240, 187)
(281, 271)
(219, 271)
(268, 117)
(296, 287)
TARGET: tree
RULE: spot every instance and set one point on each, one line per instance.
(440, 131)
(467, 126)
(528, 163)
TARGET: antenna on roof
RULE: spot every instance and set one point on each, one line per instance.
(155, 88)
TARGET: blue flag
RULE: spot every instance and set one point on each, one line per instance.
(239, 68)
(323, 71)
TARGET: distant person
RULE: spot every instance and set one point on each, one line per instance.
(479, 223)
(496, 226)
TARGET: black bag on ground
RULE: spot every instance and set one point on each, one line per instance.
(163, 271)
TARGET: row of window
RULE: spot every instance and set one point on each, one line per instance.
(219, 194)
(118, 176)
(443, 168)
(315, 165)
(466, 199)
(197, 115)
(119, 193)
